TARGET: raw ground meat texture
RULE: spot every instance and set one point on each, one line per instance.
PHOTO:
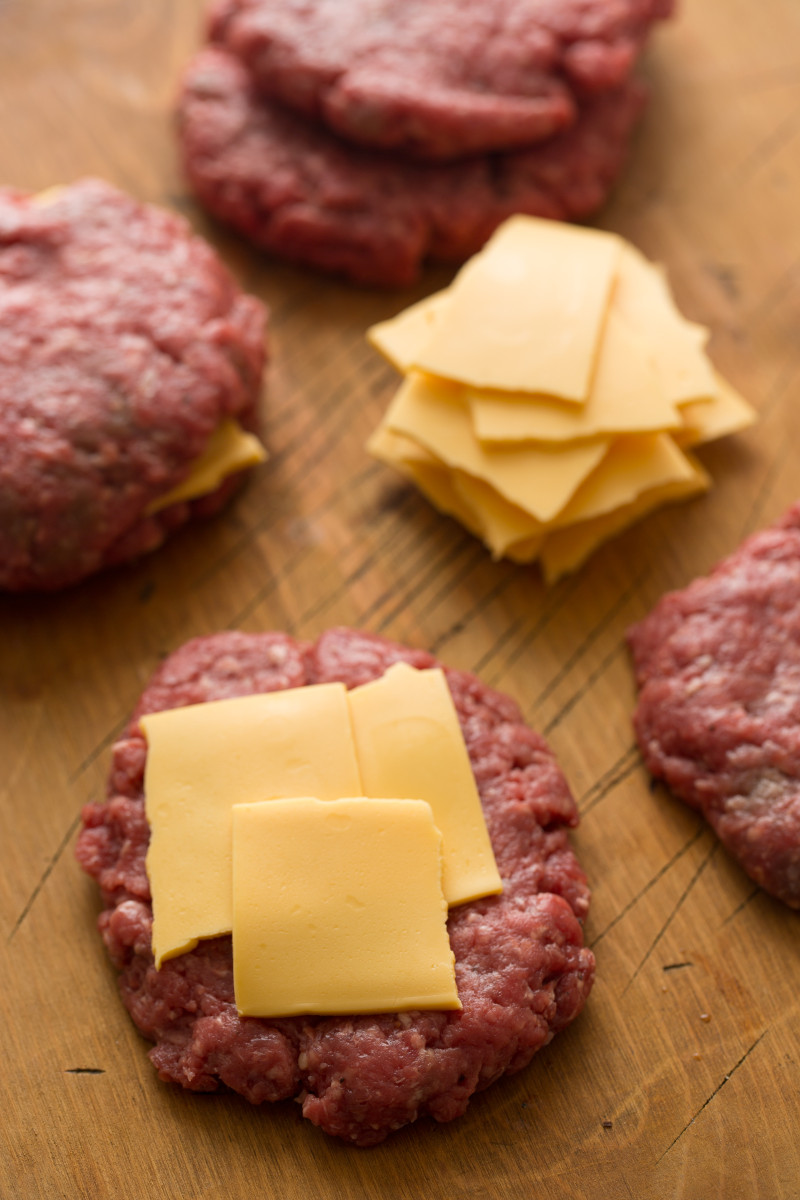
(522, 971)
(437, 78)
(718, 718)
(301, 192)
(124, 342)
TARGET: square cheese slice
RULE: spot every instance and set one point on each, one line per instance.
(338, 908)
(409, 743)
(625, 397)
(642, 296)
(204, 759)
(527, 313)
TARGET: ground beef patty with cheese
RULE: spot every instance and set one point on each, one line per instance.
(124, 343)
(296, 189)
(437, 78)
(718, 719)
(521, 968)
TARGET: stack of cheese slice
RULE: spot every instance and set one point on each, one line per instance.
(551, 393)
(329, 831)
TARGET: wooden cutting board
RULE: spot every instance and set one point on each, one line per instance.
(681, 1079)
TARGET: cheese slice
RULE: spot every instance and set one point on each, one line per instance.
(633, 465)
(726, 412)
(643, 298)
(203, 759)
(401, 338)
(538, 477)
(527, 313)
(422, 468)
(501, 523)
(396, 449)
(473, 503)
(625, 397)
(338, 908)
(47, 195)
(228, 450)
(565, 549)
(409, 743)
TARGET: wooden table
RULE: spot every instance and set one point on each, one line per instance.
(681, 1079)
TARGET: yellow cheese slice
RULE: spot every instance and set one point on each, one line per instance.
(47, 196)
(625, 397)
(633, 465)
(501, 523)
(539, 477)
(526, 314)
(401, 338)
(396, 449)
(643, 298)
(431, 476)
(704, 420)
(338, 908)
(648, 466)
(229, 449)
(565, 549)
(473, 503)
(409, 743)
(203, 759)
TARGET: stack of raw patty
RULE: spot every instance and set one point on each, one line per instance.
(364, 137)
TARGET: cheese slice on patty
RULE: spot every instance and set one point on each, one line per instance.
(409, 743)
(338, 908)
(204, 759)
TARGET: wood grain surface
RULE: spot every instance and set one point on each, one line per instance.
(682, 1077)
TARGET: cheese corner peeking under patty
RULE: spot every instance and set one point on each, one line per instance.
(228, 450)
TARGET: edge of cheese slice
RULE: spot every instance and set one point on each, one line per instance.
(401, 338)
(705, 420)
(229, 449)
(565, 549)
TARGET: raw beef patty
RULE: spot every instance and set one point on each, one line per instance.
(718, 719)
(124, 342)
(521, 968)
(437, 78)
(295, 189)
